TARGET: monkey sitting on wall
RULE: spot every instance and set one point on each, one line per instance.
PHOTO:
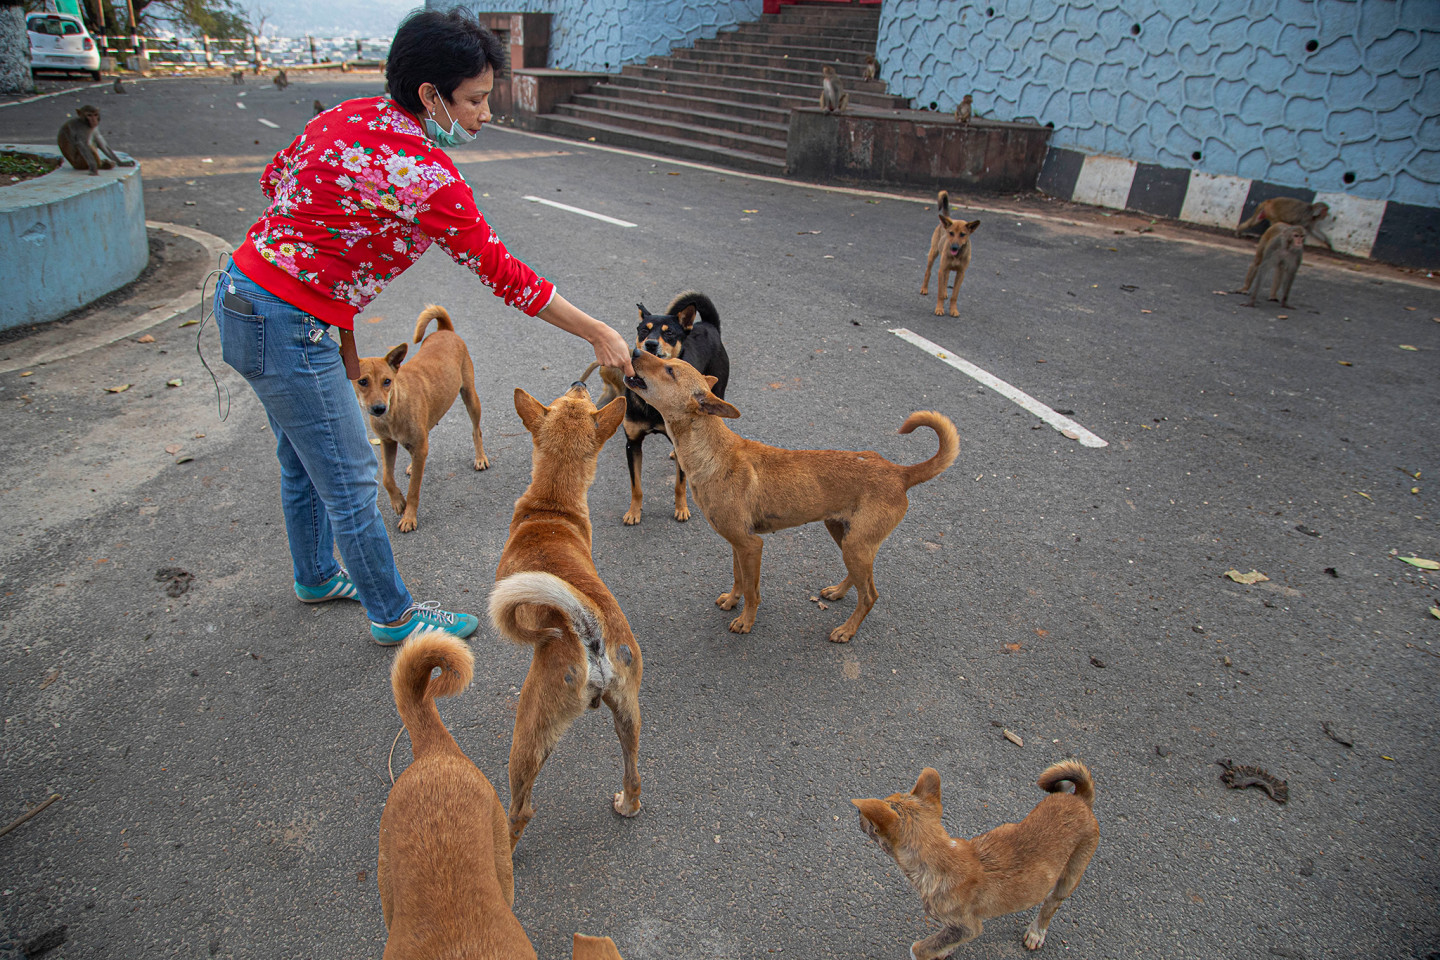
(965, 109)
(81, 142)
(832, 92)
(1293, 211)
(1282, 248)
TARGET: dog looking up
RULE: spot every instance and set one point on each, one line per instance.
(951, 243)
(548, 594)
(1013, 867)
(688, 330)
(747, 488)
(405, 404)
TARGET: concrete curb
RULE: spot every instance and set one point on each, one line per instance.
(1402, 234)
(189, 300)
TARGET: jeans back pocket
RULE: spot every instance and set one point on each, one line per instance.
(242, 341)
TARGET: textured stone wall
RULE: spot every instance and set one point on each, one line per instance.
(1331, 95)
(606, 34)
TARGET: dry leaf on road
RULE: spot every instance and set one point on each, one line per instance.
(1422, 563)
(1254, 576)
(145, 339)
(120, 389)
(1014, 738)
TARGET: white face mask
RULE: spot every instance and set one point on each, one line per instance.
(453, 137)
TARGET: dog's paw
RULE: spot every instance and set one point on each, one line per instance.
(397, 504)
(682, 512)
(841, 635)
(939, 311)
(738, 625)
(632, 516)
(836, 592)
(924, 291)
(954, 311)
(727, 601)
(621, 807)
(1034, 937)
(408, 524)
(482, 462)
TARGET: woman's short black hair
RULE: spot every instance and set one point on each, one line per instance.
(444, 48)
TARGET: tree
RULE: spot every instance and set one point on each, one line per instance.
(222, 19)
(15, 76)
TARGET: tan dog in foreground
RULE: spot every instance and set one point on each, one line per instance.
(951, 243)
(405, 404)
(548, 594)
(1013, 867)
(446, 884)
(747, 488)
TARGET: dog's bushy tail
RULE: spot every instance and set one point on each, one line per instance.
(415, 690)
(543, 590)
(943, 202)
(700, 302)
(949, 446)
(1074, 771)
(440, 315)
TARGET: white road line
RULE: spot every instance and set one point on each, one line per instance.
(583, 213)
(1062, 423)
(272, 126)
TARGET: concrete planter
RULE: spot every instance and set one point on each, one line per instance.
(915, 148)
(67, 238)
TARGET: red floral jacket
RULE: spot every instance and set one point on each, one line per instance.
(356, 199)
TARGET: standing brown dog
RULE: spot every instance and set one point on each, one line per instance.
(951, 243)
(747, 488)
(404, 405)
(1013, 867)
(446, 881)
(548, 594)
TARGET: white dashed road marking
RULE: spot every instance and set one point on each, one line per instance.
(583, 213)
(1061, 423)
(272, 126)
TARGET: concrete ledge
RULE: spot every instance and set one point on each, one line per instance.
(915, 148)
(67, 238)
(537, 90)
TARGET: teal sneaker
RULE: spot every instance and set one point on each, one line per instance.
(423, 615)
(337, 587)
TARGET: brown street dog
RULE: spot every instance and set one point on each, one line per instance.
(548, 594)
(446, 881)
(1013, 867)
(951, 243)
(747, 488)
(404, 404)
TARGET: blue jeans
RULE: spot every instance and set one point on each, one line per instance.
(328, 484)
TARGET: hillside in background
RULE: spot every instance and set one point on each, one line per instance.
(328, 18)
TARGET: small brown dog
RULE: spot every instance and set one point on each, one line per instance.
(1013, 867)
(446, 882)
(747, 488)
(951, 243)
(548, 594)
(405, 404)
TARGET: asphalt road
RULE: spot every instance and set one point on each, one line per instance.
(222, 754)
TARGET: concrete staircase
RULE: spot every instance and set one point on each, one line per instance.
(727, 101)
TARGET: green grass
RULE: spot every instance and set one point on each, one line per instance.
(15, 167)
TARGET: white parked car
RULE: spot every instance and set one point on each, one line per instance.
(59, 41)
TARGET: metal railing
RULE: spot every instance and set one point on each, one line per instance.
(258, 52)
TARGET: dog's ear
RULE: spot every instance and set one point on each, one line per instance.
(643, 312)
(687, 318)
(927, 787)
(879, 813)
(973, 225)
(396, 356)
(532, 412)
(711, 381)
(607, 418)
(594, 948)
(707, 402)
(946, 221)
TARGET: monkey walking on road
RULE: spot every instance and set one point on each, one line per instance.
(81, 142)
(281, 81)
(1293, 211)
(237, 77)
(1282, 248)
(319, 108)
(832, 92)
(119, 86)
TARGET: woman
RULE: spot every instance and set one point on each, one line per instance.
(356, 199)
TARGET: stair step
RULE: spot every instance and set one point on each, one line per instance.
(635, 140)
(715, 114)
(730, 48)
(767, 96)
(799, 33)
(765, 146)
(699, 104)
(850, 68)
(805, 89)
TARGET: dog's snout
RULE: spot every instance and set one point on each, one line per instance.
(652, 346)
(377, 409)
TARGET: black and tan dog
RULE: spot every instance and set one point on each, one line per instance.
(688, 330)
(951, 243)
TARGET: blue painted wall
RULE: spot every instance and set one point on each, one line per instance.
(1230, 79)
(607, 34)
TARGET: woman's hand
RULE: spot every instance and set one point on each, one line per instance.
(610, 348)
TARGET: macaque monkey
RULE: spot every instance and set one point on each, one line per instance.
(1290, 210)
(319, 108)
(119, 86)
(1282, 247)
(281, 81)
(82, 142)
(965, 109)
(832, 92)
(872, 67)
(237, 77)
